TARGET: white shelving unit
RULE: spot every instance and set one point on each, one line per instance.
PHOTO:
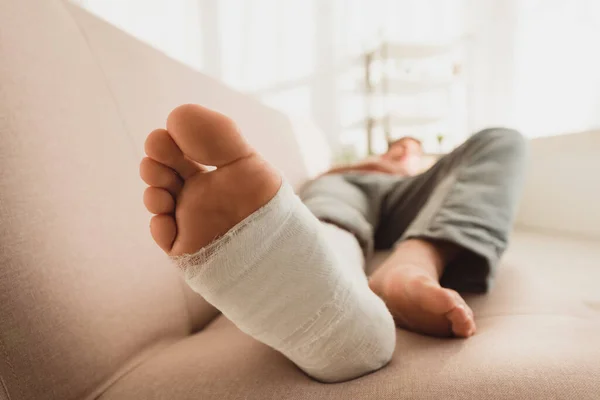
(410, 72)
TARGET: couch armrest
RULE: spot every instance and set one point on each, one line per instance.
(562, 187)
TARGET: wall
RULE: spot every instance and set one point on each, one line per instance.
(171, 26)
(562, 190)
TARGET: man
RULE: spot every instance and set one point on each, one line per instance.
(402, 158)
(290, 273)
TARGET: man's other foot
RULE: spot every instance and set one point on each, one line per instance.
(418, 302)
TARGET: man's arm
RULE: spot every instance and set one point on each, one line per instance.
(369, 165)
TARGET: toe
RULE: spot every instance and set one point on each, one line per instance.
(461, 316)
(462, 323)
(161, 147)
(163, 230)
(159, 175)
(206, 136)
(159, 201)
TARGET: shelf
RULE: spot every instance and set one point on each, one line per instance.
(402, 51)
(398, 121)
(401, 121)
(380, 82)
(403, 86)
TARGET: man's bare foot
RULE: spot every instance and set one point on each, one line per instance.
(408, 283)
(194, 206)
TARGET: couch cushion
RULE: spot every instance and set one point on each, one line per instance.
(538, 337)
(147, 85)
(84, 293)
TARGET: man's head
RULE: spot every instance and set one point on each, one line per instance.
(403, 148)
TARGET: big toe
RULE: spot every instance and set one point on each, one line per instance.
(206, 136)
(461, 318)
(162, 149)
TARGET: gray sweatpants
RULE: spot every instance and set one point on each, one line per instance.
(469, 198)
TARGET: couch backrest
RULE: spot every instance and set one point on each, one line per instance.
(84, 293)
(562, 189)
(146, 85)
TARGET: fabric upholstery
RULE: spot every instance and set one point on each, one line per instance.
(538, 338)
(89, 308)
(84, 293)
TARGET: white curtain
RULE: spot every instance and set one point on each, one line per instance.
(557, 82)
(533, 65)
(529, 64)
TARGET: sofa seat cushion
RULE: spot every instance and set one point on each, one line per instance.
(538, 337)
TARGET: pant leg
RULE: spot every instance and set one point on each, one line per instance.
(350, 201)
(468, 198)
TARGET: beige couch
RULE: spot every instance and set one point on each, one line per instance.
(90, 308)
